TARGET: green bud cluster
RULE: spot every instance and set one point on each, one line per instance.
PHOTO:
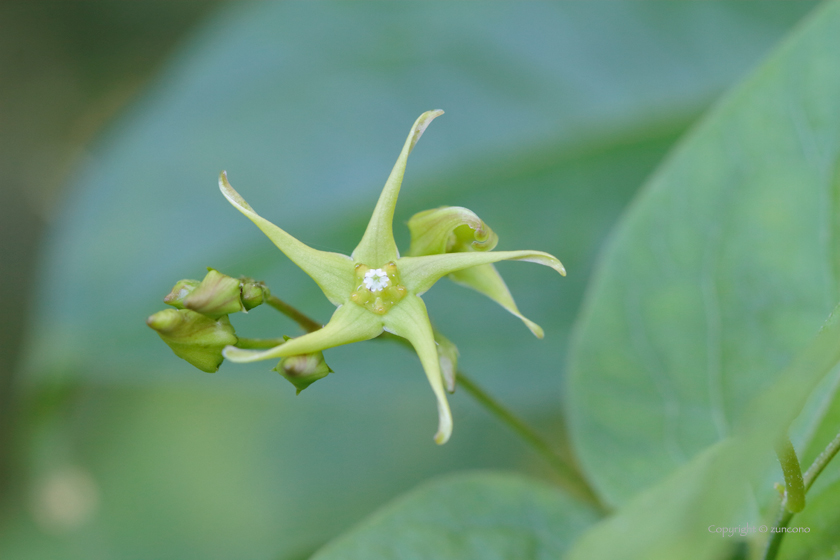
(198, 329)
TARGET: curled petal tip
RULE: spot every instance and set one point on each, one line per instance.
(444, 421)
(225, 351)
(534, 328)
(443, 434)
(421, 124)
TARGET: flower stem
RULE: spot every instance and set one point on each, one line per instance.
(571, 478)
(259, 343)
(308, 324)
(785, 514)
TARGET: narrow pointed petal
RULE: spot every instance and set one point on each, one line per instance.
(377, 246)
(349, 323)
(410, 320)
(333, 272)
(420, 273)
(486, 279)
(449, 229)
(448, 358)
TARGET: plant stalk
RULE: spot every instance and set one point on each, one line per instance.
(258, 343)
(570, 476)
(785, 515)
(308, 324)
(794, 499)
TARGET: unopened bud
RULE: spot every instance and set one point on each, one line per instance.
(179, 292)
(253, 293)
(303, 370)
(194, 337)
(217, 295)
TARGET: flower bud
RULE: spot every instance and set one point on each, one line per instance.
(217, 295)
(253, 293)
(303, 370)
(448, 358)
(194, 337)
(179, 292)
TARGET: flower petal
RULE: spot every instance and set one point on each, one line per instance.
(486, 279)
(333, 272)
(410, 320)
(449, 229)
(349, 323)
(420, 273)
(377, 246)
(448, 358)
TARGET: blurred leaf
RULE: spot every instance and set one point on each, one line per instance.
(677, 518)
(555, 114)
(481, 516)
(720, 274)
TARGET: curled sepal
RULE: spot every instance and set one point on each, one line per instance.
(486, 279)
(216, 295)
(452, 229)
(410, 320)
(449, 229)
(420, 273)
(253, 293)
(332, 272)
(377, 246)
(448, 358)
(194, 337)
(179, 292)
(349, 323)
(304, 369)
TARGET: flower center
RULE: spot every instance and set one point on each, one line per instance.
(378, 289)
(376, 280)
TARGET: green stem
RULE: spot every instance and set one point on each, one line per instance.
(821, 462)
(570, 476)
(259, 343)
(785, 515)
(794, 499)
(308, 324)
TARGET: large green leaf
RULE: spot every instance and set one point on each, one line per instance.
(555, 114)
(722, 270)
(482, 516)
(682, 516)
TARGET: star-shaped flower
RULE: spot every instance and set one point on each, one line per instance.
(376, 290)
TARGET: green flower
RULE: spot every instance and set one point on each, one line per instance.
(374, 289)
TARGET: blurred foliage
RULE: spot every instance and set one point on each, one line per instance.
(476, 515)
(678, 517)
(733, 241)
(556, 113)
(67, 67)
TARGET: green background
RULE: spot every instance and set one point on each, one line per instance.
(555, 115)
